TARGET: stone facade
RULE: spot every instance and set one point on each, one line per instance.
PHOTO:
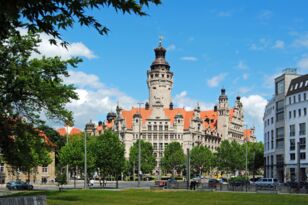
(159, 123)
(39, 175)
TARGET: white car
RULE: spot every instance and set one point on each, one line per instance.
(267, 182)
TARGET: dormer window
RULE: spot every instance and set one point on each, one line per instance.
(296, 85)
(301, 84)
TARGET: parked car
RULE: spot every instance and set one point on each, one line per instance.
(254, 180)
(267, 182)
(213, 183)
(19, 185)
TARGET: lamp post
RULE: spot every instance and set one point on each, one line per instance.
(246, 167)
(139, 148)
(188, 168)
(67, 173)
(298, 166)
(88, 128)
(85, 160)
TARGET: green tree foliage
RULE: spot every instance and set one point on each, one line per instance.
(148, 160)
(255, 157)
(26, 149)
(109, 155)
(230, 157)
(201, 159)
(72, 154)
(30, 87)
(51, 16)
(174, 158)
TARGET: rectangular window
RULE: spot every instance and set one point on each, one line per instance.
(155, 146)
(280, 137)
(44, 169)
(290, 114)
(166, 127)
(160, 146)
(155, 127)
(289, 100)
(305, 97)
(294, 113)
(303, 155)
(160, 127)
(292, 144)
(280, 106)
(149, 127)
(299, 112)
(299, 97)
(292, 156)
(302, 128)
(280, 87)
(302, 143)
(292, 130)
(1, 167)
(305, 111)
(279, 116)
(272, 139)
(272, 120)
(294, 99)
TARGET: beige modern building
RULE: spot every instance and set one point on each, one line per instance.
(160, 123)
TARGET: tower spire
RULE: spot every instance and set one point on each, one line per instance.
(160, 44)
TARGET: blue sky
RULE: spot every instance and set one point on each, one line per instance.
(238, 45)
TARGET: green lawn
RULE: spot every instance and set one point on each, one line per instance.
(132, 197)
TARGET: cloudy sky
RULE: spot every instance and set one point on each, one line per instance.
(238, 45)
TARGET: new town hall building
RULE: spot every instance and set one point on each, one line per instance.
(160, 123)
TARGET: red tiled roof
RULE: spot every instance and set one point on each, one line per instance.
(63, 131)
(128, 115)
(210, 115)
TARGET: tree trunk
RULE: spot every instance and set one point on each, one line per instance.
(75, 178)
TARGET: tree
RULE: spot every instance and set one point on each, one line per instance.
(51, 16)
(109, 155)
(255, 157)
(72, 154)
(26, 149)
(230, 157)
(30, 87)
(201, 159)
(148, 160)
(174, 158)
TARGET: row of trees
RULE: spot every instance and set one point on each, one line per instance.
(106, 157)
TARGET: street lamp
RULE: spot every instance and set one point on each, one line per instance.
(67, 172)
(246, 168)
(88, 128)
(139, 147)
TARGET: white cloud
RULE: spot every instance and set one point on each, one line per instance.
(303, 65)
(245, 76)
(262, 44)
(265, 15)
(182, 100)
(243, 90)
(74, 49)
(254, 106)
(301, 41)
(241, 65)
(224, 13)
(189, 58)
(95, 98)
(279, 44)
(215, 80)
(171, 47)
